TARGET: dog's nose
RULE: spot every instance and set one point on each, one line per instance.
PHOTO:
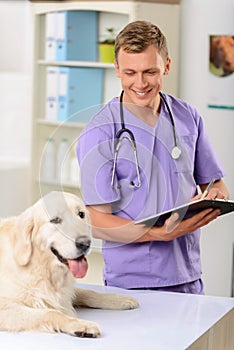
(83, 243)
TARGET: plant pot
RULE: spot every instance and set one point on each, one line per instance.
(107, 53)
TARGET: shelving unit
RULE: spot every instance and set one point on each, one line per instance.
(112, 13)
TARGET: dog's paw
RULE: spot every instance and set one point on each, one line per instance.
(127, 302)
(82, 328)
(119, 302)
(87, 329)
(54, 321)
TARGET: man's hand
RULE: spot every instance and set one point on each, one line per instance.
(175, 227)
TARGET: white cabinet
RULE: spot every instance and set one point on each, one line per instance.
(110, 14)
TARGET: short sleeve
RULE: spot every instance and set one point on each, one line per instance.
(207, 164)
(95, 157)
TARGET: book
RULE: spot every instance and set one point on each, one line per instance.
(189, 209)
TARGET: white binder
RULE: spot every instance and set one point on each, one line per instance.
(61, 35)
(50, 36)
(51, 93)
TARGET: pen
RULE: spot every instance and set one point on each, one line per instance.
(207, 188)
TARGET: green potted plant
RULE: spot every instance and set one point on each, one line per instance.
(106, 47)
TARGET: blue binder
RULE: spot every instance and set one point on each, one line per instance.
(77, 36)
(79, 93)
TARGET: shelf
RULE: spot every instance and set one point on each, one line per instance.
(174, 2)
(76, 64)
(119, 7)
(65, 124)
(56, 183)
(116, 14)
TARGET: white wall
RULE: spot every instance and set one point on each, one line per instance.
(15, 79)
(15, 102)
(199, 19)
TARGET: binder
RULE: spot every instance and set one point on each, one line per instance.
(78, 90)
(51, 93)
(50, 36)
(189, 209)
(77, 35)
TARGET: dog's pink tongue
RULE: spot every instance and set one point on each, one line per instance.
(78, 267)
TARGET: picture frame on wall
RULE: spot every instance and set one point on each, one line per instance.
(221, 55)
(221, 72)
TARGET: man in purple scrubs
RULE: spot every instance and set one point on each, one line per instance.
(171, 164)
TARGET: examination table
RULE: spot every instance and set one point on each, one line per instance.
(164, 321)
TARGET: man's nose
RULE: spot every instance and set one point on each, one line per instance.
(140, 80)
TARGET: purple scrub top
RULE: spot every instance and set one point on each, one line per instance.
(165, 183)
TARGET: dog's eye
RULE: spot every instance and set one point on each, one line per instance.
(56, 220)
(81, 214)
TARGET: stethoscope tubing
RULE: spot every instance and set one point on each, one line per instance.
(171, 117)
(175, 152)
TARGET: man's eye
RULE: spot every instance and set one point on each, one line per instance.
(56, 220)
(152, 73)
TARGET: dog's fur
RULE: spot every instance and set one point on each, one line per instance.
(222, 53)
(37, 289)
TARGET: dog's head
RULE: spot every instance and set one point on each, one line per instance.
(57, 225)
(222, 53)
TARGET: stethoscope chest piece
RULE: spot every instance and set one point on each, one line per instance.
(176, 152)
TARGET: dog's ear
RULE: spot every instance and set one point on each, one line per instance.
(23, 236)
(214, 53)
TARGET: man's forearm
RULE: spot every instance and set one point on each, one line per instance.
(110, 227)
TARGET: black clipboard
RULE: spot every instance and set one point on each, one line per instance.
(188, 210)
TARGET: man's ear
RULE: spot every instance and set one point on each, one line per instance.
(117, 72)
(23, 238)
(167, 66)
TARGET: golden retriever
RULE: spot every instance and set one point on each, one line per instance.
(222, 53)
(41, 252)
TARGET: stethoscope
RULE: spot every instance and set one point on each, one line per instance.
(175, 152)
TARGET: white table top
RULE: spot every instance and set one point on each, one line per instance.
(164, 321)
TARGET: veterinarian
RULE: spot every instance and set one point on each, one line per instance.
(122, 183)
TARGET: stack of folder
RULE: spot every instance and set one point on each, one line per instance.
(71, 35)
(73, 94)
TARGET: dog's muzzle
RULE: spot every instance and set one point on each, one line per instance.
(83, 244)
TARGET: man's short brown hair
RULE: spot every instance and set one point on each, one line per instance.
(136, 36)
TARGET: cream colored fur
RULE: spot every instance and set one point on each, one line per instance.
(37, 291)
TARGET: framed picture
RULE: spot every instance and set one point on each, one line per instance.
(221, 55)
(221, 72)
